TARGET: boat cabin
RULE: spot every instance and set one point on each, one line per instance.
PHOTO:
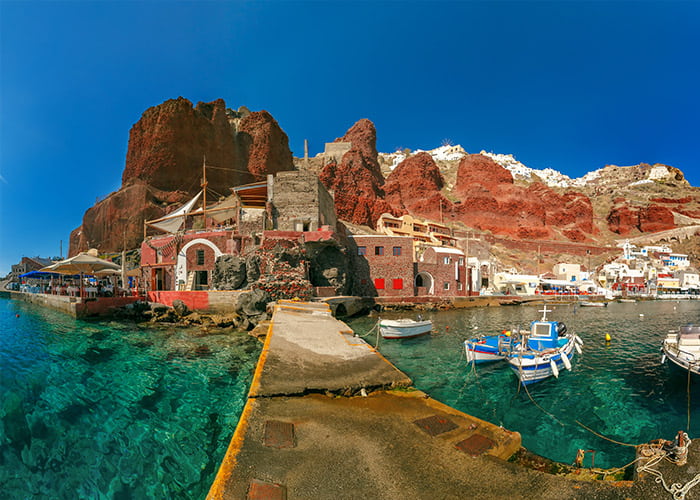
(689, 336)
(545, 335)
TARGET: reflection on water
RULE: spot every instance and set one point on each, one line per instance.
(111, 410)
(618, 390)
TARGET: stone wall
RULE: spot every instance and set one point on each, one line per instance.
(335, 151)
(378, 270)
(450, 278)
(301, 203)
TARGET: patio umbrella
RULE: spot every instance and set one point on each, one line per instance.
(81, 264)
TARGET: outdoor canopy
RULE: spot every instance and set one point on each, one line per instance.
(82, 263)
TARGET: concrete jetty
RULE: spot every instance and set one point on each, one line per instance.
(329, 418)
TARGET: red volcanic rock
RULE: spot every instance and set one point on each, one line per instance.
(357, 181)
(415, 185)
(685, 199)
(117, 221)
(623, 219)
(479, 169)
(655, 218)
(363, 137)
(167, 147)
(264, 144)
(574, 234)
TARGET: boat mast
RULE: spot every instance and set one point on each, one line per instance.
(204, 191)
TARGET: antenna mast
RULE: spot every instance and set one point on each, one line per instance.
(204, 191)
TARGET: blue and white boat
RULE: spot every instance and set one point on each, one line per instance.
(489, 347)
(543, 351)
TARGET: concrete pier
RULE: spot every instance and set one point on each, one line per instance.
(309, 432)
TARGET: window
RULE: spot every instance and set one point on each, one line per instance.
(378, 250)
(459, 286)
(461, 261)
(445, 260)
(446, 286)
(379, 283)
(200, 257)
(397, 284)
(361, 250)
(396, 251)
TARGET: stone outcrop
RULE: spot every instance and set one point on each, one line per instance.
(166, 151)
(263, 145)
(357, 180)
(624, 219)
(168, 145)
(117, 221)
(414, 187)
(490, 200)
(230, 273)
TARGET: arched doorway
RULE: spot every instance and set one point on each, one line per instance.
(424, 284)
(181, 266)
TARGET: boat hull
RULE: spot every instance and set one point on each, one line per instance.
(532, 367)
(681, 359)
(403, 329)
(487, 349)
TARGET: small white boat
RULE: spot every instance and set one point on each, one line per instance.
(404, 328)
(588, 303)
(682, 348)
(627, 301)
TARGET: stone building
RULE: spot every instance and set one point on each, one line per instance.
(442, 271)
(383, 265)
(292, 205)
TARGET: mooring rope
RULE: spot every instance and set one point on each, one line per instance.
(538, 406)
(688, 395)
(678, 490)
(605, 437)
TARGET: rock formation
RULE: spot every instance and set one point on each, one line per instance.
(167, 147)
(357, 180)
(624, 219)
(264, 145)
(414, 187)
(166, 150)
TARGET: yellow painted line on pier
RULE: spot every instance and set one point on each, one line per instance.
(255, 383)
(218, 487)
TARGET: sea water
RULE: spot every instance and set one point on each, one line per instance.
(617, 394)
(115, 410)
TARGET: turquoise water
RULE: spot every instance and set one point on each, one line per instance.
(115, 411)
(620, 391)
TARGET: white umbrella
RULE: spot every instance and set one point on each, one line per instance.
(81, 264)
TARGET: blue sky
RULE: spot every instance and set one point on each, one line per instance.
(568, 85)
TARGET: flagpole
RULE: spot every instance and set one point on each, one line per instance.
(204, 191)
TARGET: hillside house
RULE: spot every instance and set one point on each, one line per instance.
(383, 265)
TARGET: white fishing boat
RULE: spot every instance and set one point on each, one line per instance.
(588, 303)
(404, 328)
(682, 348)
(544, 351)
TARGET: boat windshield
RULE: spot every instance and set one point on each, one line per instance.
(541, 329)
(690, 332)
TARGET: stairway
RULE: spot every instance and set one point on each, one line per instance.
(190, 281)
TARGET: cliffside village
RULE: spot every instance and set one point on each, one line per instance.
(282, 236)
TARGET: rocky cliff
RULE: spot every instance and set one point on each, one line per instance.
(167, 148)
(498, 194)
(357, 181)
